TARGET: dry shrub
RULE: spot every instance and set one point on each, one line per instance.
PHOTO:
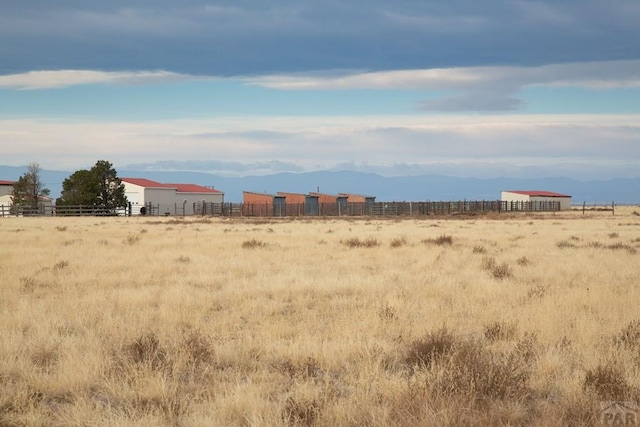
(398, 242)
(523, 261)
(607, 382)
(458, 367)
(301, 411)
(386, 312)
(198, 348)
(629, 336)
(613, 235)
(146, 350)
(536, 292)
(253, 243)
(308, 368)
(562, 244)
(500, 331)
(61, 265)
(355, 242)
(528, 348)
(132, 240)
(464, 368)
(430, 349)
(442, 240)
(184, 259)
(44, 357)
(479, 249)
(622, 246)
(498, 271)
(30, 284)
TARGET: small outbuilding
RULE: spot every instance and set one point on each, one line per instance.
(151, 197)
(295, 203)
(263, 204)
(357, 204)
(537, 199)
(327, 204)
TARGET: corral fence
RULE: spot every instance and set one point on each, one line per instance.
(372, 209)
(296, 210)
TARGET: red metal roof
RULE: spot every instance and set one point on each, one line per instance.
(143, 182)
(193, 188)
(180, 188)
(538, 193)
(3, 182)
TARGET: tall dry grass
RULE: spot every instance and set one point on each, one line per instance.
(517, 320)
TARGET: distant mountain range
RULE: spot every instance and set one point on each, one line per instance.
(406, 188)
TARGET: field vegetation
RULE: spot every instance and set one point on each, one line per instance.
(504, 320)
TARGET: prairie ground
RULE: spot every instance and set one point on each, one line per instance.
(506, 320)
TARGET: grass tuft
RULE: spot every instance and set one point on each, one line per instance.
(629, 336)
(398, 242)
(500, 331)
(442, 240)
(253, 243)
(60, 265)
(562, 244)
(301, 411)
(498, 271)
(146, 350)
(355, 242)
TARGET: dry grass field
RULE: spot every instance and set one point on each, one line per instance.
(504, 320)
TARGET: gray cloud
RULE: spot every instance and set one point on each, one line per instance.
(254, 37)
(472, 102)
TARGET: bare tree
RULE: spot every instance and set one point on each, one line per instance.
(29, 188)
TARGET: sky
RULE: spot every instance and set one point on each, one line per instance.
(485, 89)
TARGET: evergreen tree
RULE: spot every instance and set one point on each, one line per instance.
(99, 186)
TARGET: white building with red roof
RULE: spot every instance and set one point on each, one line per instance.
(536, 196)
(147, 196)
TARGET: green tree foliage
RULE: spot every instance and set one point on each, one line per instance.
(79, 189)
(29, 188)
(99, 186)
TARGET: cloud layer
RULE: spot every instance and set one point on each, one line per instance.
(237, 146)
(256, 38)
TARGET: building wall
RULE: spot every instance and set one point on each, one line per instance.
(293, 198)
(135, 194)
(164, 199)
(257, 204)
(507, 196)
(6, 190)
(353, 198)
(325, 198)
(256, 198)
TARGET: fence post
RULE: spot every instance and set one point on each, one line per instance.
(613, 211)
